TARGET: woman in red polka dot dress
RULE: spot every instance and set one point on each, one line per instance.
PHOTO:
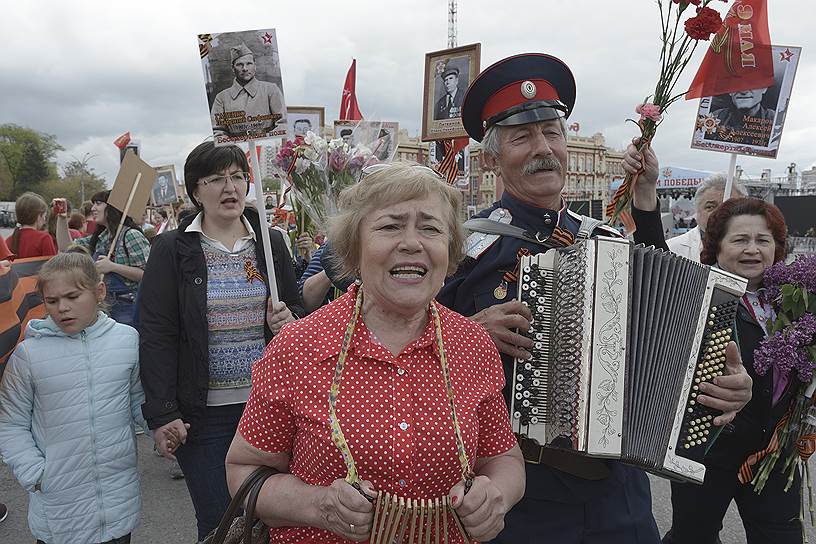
(415, 387)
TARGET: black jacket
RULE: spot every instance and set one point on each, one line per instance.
(753, 426)
(173, 349)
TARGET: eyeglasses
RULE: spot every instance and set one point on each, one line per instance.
(220, 181)
(380, 166)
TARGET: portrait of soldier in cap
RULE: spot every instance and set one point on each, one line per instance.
(249, 107)
(447, 75)
(449, 105)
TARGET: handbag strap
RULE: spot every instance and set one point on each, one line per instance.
(249, 509)
(251, 483)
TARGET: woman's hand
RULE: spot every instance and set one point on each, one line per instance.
(277, 315)
(104, 265)
(305, 244)
(482, 510)
(345, 512)
(170, 436)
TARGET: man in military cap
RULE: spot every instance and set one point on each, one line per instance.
(450, 104)
(249, 105)
(517, 108)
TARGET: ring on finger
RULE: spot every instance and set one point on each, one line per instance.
(351, 527)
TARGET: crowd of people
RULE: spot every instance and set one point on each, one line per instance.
(381, 360)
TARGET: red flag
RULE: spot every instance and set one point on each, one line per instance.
(249, 159)
(740, 55)
(122, 141)
(348, 103)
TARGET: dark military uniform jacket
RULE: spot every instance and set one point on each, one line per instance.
(479, 283)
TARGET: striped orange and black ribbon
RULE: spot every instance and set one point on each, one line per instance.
(20, 302)
(252, 273)
(204, 46)
(447, 167)
(746, 471)
(562, 237)
(559, 238)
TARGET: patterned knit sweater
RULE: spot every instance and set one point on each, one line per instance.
(236, 309)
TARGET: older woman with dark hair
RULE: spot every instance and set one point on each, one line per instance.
(744, 236)
(205, 316)
(413, 389)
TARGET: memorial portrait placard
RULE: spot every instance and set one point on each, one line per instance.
(243, 83)
(448, 73)
(749, 122)
(303, 119)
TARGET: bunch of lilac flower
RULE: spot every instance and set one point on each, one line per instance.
(801, 273)
(788, 349)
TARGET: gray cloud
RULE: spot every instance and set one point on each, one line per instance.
(89, 71)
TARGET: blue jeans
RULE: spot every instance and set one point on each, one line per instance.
(202, 461)
(122, 310)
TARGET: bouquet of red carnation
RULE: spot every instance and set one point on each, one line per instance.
(678, 45)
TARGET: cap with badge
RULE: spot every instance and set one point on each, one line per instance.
(239, 51)
(518, 90)
(450, 70)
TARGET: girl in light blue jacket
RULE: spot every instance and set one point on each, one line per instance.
(69, 400)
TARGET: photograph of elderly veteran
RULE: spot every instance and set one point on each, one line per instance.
(205, 317)
(517, 109)
(247, 94)
(401, 362)
(707, 197)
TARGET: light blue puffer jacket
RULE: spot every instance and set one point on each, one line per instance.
(68, 405)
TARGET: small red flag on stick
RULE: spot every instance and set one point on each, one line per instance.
(348, 103)
(122, 141)
(740, 55)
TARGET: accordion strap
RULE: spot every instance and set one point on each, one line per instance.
(488, 226)
(558, 238)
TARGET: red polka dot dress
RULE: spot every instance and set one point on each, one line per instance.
(394, 410)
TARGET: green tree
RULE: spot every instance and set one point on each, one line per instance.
(25, 155)
(69, 185)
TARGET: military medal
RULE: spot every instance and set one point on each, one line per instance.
(501, 291)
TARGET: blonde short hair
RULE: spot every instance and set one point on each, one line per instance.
(396, 182)
(77, 262)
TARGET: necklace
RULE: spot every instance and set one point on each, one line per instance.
(394, 515)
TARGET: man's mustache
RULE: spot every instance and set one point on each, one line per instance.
(542, 163)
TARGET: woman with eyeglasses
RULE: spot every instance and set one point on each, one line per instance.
(205, 317)
(383, 390)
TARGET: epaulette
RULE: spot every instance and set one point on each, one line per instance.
(479, 242)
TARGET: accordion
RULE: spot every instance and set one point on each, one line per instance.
(623, 336)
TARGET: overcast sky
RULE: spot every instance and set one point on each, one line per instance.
(88, 71)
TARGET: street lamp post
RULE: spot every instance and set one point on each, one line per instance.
(84, 163)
